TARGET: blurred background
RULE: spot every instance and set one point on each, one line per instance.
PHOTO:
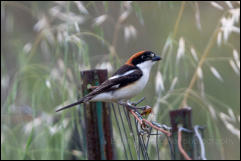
(45, 45)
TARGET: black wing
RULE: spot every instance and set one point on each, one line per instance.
(120, 79)
(125, 75)
(123, 69)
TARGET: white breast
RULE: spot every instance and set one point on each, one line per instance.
(131, 90)
(136, 87)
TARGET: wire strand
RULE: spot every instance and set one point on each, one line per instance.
(182, 151)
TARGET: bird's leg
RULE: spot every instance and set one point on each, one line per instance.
(146, 110)
(131, 106)
(126, 104)
(138, 102)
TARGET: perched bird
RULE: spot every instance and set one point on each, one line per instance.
(129, 80)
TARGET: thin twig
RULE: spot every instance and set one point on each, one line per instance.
(179, 18)
(203, 58)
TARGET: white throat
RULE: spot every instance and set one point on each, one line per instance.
(146, 67)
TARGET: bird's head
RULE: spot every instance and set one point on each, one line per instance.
(143, 59)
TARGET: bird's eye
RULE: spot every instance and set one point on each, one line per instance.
(142, 57)
(152, 55)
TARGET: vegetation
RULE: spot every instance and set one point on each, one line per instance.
(44, 46)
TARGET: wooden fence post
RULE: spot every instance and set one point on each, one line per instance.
(97, 119)
(182, 117)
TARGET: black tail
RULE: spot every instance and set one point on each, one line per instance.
(82, 100)
(71, 105)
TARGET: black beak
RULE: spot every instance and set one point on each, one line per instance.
(156, 58)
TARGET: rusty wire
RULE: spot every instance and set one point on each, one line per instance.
(145, 122)
(143, 127)
(182, 151)
(140, 132)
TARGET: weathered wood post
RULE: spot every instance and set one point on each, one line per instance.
(182, 117)
(97, 119)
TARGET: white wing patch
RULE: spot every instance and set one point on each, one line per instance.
(116, 86)
(114, 77)
(118, 76)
